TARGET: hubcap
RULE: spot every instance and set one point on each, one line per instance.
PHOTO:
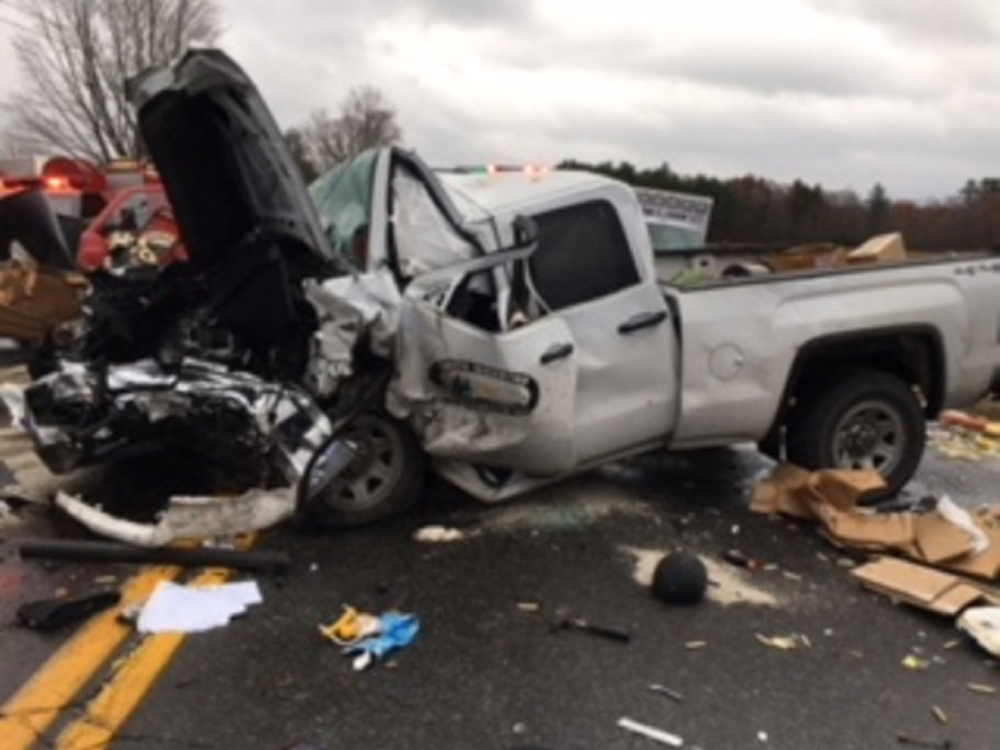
(870, 435)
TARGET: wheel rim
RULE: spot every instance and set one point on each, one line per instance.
(374, 472)
(870, 435)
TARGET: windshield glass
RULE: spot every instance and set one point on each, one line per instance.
(666, 237)
(343, 200)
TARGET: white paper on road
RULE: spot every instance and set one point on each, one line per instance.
(185, 609)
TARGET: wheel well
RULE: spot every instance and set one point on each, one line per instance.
(913, 355)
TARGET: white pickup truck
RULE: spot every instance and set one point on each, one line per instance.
(507, 324)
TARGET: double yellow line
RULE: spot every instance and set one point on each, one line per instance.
(33, 711)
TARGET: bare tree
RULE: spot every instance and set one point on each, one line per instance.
(365, 120)
(76, 55)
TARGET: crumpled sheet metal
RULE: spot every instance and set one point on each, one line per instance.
(347, 307)
(146, 389)
(188, 517)
(399, 328)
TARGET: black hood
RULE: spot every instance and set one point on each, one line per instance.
(28, 219)
(222, 158)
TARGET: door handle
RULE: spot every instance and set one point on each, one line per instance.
(642, 320)
(554, 352)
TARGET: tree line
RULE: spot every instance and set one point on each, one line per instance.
(757, 210)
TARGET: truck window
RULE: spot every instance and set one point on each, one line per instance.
(582, 255)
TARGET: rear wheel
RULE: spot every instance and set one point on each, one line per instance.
(860, 419)
(385, 477)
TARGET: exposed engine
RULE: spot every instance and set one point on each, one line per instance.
(180, 359)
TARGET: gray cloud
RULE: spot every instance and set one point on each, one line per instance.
(965, 22)
(840, 92)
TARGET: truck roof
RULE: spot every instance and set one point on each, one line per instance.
(511, 189)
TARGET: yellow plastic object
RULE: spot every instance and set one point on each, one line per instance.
(351, 627)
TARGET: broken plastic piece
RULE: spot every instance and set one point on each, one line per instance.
(351, 627)
(577, 623)
(657, 735)
(189, 517)
(396, 631)
(983, 624)
(915, 663)
(50, 614)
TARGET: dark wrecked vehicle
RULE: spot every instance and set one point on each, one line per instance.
(507, 324)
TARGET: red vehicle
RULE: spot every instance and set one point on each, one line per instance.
(113, 216)
(136, 228)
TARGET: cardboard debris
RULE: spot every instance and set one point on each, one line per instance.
(784, 492)
(938, 540)
(868, 531)
(983, 624)
(924, 587)
(949, 537)
(844, 490)
(883, 248)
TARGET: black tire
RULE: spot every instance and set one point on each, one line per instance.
(386, 476)
(859, 419)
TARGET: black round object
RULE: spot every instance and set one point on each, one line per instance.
(680, 578)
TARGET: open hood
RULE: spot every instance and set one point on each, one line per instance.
(222, 158)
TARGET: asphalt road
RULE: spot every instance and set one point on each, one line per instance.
(489, 672)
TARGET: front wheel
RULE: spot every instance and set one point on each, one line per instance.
(861, 419)
(385, 476)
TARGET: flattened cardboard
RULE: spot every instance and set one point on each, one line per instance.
(938, 539)
(984, 565)
(872, 531)
(921, 586)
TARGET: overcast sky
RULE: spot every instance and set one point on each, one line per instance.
(840, 92)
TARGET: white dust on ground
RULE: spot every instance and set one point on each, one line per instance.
(727, 585)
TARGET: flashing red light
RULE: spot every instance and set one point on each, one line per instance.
(56, 183)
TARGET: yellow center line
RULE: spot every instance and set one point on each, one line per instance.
(35, 707)
(122, 694)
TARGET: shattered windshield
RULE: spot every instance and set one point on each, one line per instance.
(343, 200)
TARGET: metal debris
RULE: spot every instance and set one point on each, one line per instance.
(657, 735)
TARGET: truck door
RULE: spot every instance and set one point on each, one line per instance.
(478, 391)
(585, 272)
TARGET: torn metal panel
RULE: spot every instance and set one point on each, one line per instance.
(189, 517)
(346, 309)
